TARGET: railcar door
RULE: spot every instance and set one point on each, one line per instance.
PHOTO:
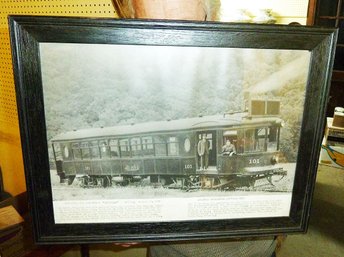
(206, 149)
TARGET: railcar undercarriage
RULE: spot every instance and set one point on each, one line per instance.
(183, 182)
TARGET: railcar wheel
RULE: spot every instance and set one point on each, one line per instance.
(194, 182)
(125, 182)
(251, 182)
(162, 181)
(84, 181)
(278, 177)
(153, 179)
(158, 180)
(269, 179)
(166, 180)
(107, 181)
(244, 181)
(99, 181)
(70, 180)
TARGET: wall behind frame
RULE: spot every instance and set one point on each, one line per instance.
(10, 147)
(11, 161)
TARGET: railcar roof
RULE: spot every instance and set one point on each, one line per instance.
(196, 123)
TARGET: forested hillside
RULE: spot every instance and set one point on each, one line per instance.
(92, 86)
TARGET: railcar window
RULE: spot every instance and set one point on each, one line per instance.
(173, 146)
(160, 146)
(85, 150)
(147, 146)
(66, 152)
(94, 148)
(135, 144)
(249, 140)
(273, 134)
(124, 147)
(240, 145)
(76, 151)
(113, 143)
(232, 136)
(258, 107)
(104, 149)
(273, 108)
(187, 145)
(252, 140)
(147, 143)
(57, 152)
(260, 139)
(272, 139)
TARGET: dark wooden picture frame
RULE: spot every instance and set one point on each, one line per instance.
(28, 34)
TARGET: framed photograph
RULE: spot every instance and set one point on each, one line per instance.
(159, 131)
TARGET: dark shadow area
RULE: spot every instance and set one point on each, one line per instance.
(327, 215)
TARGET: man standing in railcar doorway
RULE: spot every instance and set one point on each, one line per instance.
(203, 152)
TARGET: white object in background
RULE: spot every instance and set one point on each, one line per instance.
(264, 16)
(236, 15)
(338, 117)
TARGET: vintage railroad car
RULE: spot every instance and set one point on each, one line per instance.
(165, 152)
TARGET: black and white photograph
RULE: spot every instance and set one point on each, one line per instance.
(152, 133)
(158, 130)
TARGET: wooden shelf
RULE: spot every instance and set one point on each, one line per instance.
(23, 244)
